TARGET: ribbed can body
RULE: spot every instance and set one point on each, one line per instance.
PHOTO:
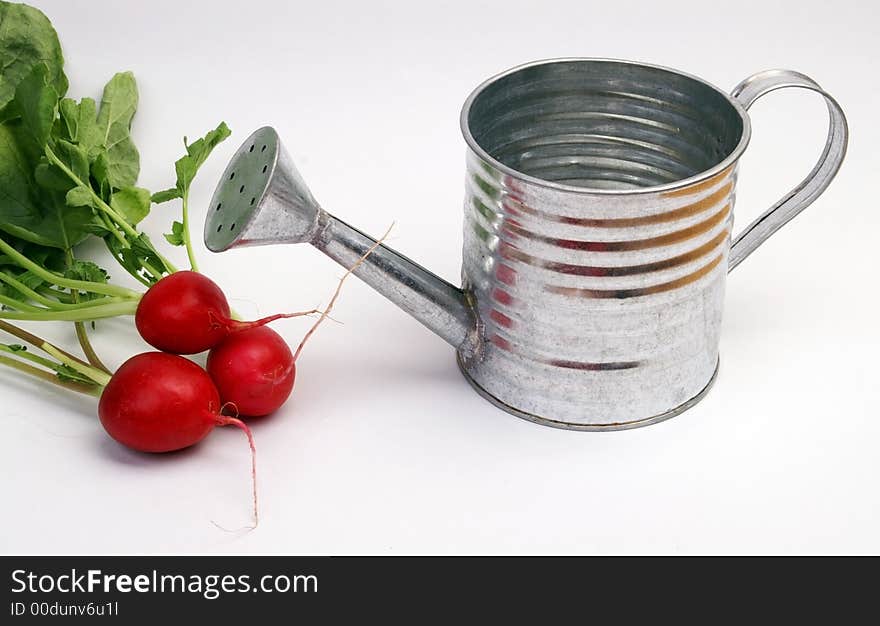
(596, 310)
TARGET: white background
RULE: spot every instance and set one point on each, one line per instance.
(384, 448)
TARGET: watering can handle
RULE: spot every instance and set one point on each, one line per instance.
(816, 181)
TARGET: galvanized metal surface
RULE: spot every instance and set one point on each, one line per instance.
(261, 198)
(443, 308)
(816, 181)
(601, 302)
(598, 213)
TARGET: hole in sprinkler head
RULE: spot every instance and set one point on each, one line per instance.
(232, 227)
(263, 149)
(219, 204)
(265, 167)
(252, 201)
(251, 149)
(219, 228)
(232, 175)
(241, 189)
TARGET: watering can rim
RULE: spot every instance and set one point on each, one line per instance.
(706, 174)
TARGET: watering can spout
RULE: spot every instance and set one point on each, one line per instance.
(440, 306)
(261, 199)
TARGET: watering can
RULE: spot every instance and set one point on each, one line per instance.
(597, 235)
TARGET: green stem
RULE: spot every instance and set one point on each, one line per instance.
(55, 294)
(29, 309)
(32, 339)
(19, 305)
(64, 357)
(53, 304)
(142, 280)
(109, 225)
(91, 390)
(23, 289)
(83, 314)
(99, 203)
(101, 378)
(157, 274)
(187, 240)
(82, 335)
(61, 281)
(133, 273)
(125, 244)
(30, 356)
(85, 343)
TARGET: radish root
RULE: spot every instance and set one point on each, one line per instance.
(225, 420)
(326, 312)
(235, 325)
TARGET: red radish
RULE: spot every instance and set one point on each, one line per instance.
(186, 313)
(157, 402)
(253, 369)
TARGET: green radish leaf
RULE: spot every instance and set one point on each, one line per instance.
(26, 39)
(63, 225)
(79, 124)
(8, 112)
(144, 248)
(50, 258)
(36, 102)
(76, 159)
(68, 125)
(165, 195)
(18, 206)
(51, 177)
(130, 260)
(78, 196)
(98, 229)
(101, 174)
(196, 154)
(175, 237)
(32, 213)
(118, 106)
(29, 279)
(134, 257)
(186, 168)
(26, 278)
(13, 294)
(133, 203)
(86, 270)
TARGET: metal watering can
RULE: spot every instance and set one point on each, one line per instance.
(597, 235)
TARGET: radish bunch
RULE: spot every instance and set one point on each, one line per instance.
(161, 401)
(69, 171)
(187, 313)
